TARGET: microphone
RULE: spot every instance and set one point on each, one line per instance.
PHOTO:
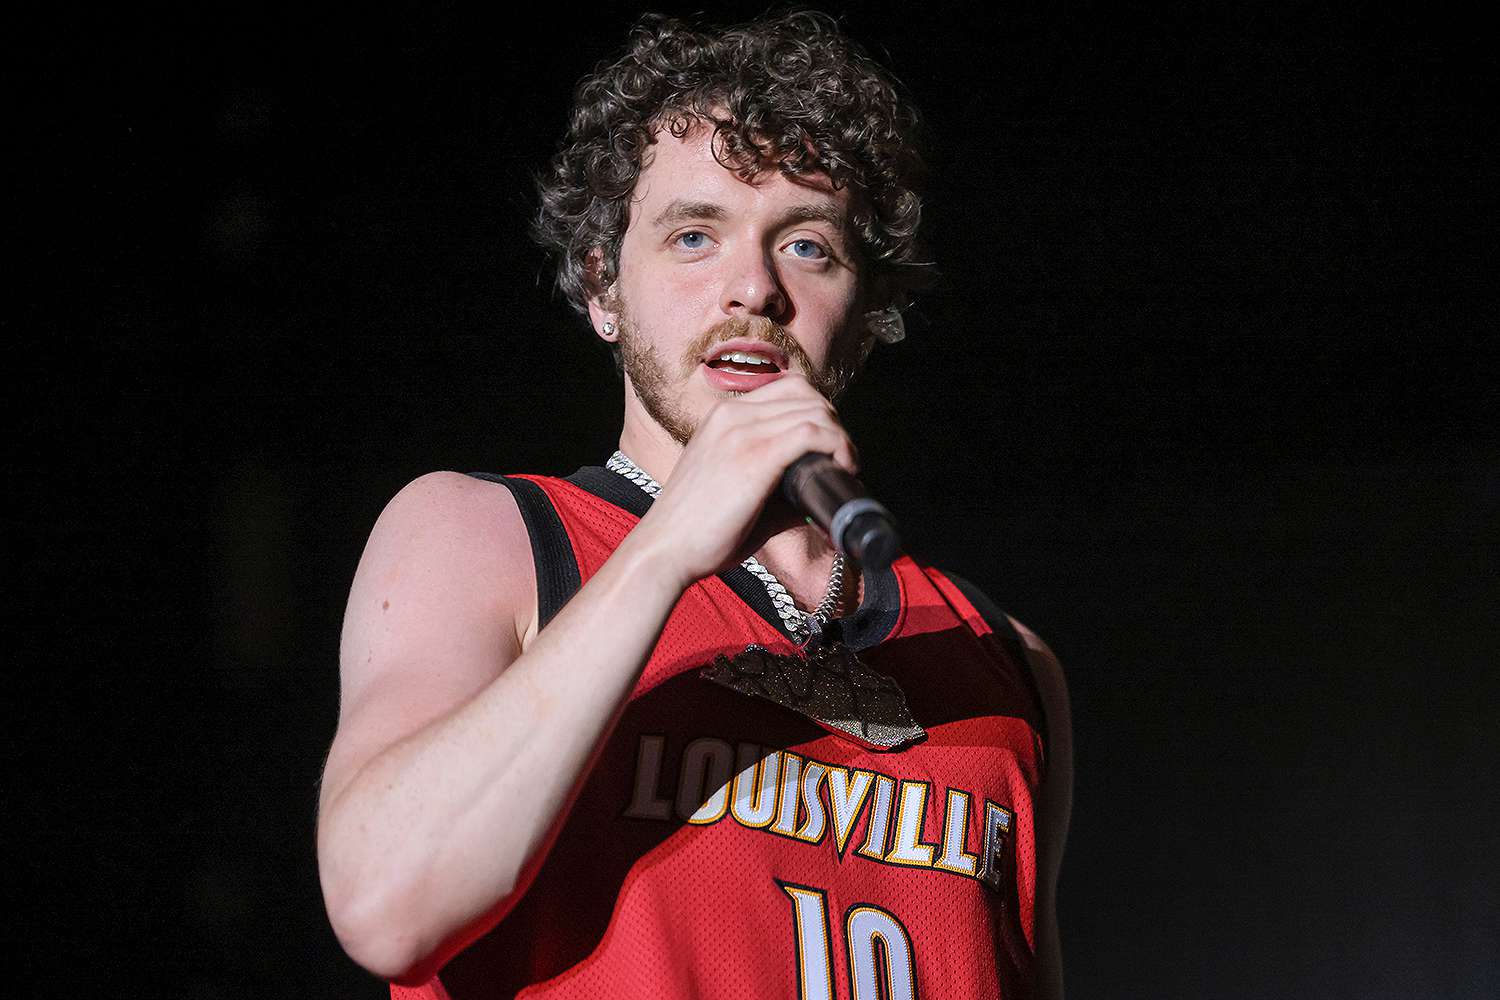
(859, 527)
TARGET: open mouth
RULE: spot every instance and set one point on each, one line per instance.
(743, 363)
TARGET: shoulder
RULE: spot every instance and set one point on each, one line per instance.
(1043, 660)
(461, 517)
(1054, 800)
(439, 607)
(438, 502)
(451, 498)
(1032, 643)
(988, 610)
(985, 609)
(1024, 645)
(450, 537)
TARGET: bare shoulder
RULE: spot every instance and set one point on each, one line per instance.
(1051, 684)
(1038, 653)
(444, 500)
(452, 517)
(445, 541)
(1035, 647)
(441, 602)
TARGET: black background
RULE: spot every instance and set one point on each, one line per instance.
(1203, 400)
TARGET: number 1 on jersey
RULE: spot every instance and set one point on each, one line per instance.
(864, 926)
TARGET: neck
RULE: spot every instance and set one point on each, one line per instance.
(647, 445)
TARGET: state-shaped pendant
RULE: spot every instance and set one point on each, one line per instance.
(830, 685)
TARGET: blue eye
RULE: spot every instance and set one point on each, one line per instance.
(807, 250)
(692, 241)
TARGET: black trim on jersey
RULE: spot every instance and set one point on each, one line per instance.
(612, 488)
(1005, 630)
(877, 613)
(557, 577)
(870, 623)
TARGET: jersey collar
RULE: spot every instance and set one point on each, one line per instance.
(871, 623)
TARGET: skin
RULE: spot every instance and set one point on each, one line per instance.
(710, 256)
(463, 730)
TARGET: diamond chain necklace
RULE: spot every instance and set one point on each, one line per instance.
(801, 624)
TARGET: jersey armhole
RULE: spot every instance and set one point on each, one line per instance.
(982, 615)
(1054, 803)
(557, 578)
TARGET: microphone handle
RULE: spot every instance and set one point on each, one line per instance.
(858, 526)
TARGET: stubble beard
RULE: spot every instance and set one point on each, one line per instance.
(653, 384)
(648, 378)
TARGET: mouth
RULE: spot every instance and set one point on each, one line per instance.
(743, 365)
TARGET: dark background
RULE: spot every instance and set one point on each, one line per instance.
(1202, 400)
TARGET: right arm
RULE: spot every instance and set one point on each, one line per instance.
(442, 779)
(458, 746)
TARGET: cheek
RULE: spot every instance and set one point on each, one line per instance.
(669, 312)
(676, 304)
(831, 309)
(665, 306)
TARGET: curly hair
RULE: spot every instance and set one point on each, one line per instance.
(790, 90)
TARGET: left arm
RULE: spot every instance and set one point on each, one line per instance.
(1053, 807)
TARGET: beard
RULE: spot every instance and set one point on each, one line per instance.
(652, 381)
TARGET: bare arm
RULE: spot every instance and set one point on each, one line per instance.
(448, 734)
(458, 749)
(1054, 806)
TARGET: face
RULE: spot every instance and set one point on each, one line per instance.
(766, 266)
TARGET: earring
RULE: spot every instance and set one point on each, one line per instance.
(609, 328)
(887, 325)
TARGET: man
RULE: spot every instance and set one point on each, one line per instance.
(685, 784)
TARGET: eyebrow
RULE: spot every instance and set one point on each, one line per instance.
(682, 210)
(816, 213)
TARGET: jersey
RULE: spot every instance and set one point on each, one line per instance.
(724, 845)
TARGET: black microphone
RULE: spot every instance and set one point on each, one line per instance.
(859, 527)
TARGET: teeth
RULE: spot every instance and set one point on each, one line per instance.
(740, 358)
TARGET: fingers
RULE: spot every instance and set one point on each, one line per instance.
(777, 430)
(783, 407)
(789, 435)
(738, 453)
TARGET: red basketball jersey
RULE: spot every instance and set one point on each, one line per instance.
(726, 846)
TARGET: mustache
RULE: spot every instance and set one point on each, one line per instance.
(752, 328)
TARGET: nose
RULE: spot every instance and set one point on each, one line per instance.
(751, 286)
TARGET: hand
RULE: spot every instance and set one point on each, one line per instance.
(709, 513)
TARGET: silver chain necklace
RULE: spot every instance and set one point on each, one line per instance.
(801, 624)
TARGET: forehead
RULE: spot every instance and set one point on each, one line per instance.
(684, 169)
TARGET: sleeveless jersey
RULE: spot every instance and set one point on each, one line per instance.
(723, 845)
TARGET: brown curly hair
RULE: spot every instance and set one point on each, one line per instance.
(791, 89)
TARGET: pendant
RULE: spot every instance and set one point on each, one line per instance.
(831, 685)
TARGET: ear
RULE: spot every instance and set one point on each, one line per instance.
(605, 322)
(603, 305)
(883, 314)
